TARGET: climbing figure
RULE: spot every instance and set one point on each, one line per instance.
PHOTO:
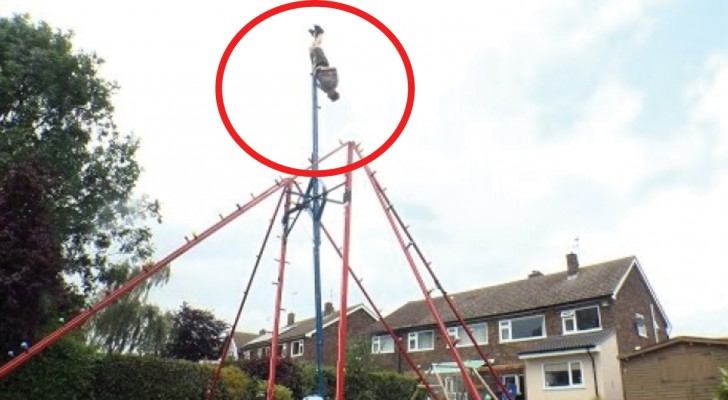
(326, 76)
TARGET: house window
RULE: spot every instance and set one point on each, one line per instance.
(422, 340)
(382, 344)
(259, 352)
(563, 375)
(480, 332)
(246, 355)
(297, 348)
(581, 320)
(266, 351)
(639, 321)
(282, 348)
(522, 329)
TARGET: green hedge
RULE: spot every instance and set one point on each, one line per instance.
(66, 370)
(136, 377)
(71, 370)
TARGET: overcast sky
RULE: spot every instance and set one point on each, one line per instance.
(534, 123)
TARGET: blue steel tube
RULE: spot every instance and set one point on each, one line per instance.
(316, 211)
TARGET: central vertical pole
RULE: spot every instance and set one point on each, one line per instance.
(316, 211)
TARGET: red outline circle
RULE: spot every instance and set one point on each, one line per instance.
(307, 172)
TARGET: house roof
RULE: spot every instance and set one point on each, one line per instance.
(676, 340)
(568, 342)
(305, 328)
(242, 338)
(592, 282)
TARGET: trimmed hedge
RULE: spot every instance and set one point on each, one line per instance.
(63, 371)
(70, 370)
(137, 377)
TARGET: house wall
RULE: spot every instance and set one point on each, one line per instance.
(681, 371)
(608, 376)
(634, 297)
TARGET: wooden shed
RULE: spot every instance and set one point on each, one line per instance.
(682, 368)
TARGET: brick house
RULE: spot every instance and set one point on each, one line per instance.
(297, 339)
(551, 336)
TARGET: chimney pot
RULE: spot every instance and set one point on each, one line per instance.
(291, 318)
(535, 274)
(572, 264)
(328, 308)
(261, 332)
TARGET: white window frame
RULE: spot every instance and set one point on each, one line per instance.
(641, 328)
(454, 333)
(377, 342)
(506, 324)
(576, 324)
(259, 352)
(571, 376)
(246, 355)
(298, 353)
(415, 336)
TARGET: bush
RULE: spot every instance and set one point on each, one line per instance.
(288, 373)
(63, 371)
(142, 377)
(236, 383)
(722, 392)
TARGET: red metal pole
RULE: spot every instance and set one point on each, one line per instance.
(133, 283)
(341, 350)
(397, 341)
(272, 363)
(446, 296)
(246, 291)
(428, 298)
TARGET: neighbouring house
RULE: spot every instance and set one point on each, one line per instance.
(297, 338)
(554, 336)
(685, 368)
(239, 340)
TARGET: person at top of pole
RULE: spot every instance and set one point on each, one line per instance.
(326, 76)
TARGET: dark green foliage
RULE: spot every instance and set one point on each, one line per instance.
(288, 373)
(124, 377)
(32, 291)
(385, 385)
(63, 371)
(56, 109)
(722, 392)
(195, 335)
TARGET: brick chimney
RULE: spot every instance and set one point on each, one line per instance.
(572, 264)
(291, 318)
(262, 332)
(328, 308)
(535, 274)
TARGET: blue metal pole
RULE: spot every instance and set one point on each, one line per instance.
(316, 211)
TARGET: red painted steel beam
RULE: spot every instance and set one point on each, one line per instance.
(343, 309)
(216, 375)
(446, 296)
(279, 295)
(396, 339)
(133, 283)
(428, 298)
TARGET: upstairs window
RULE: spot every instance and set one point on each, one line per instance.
(584, 319)
(422, 340)
(297, 348)
(480, 332)
(522, 328)
(639, 322)
(382, 344)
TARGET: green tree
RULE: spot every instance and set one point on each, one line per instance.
(32, 291)
(56, 108)
(196, 335)
(722, 392)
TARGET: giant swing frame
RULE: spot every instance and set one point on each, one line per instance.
(313, 199)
